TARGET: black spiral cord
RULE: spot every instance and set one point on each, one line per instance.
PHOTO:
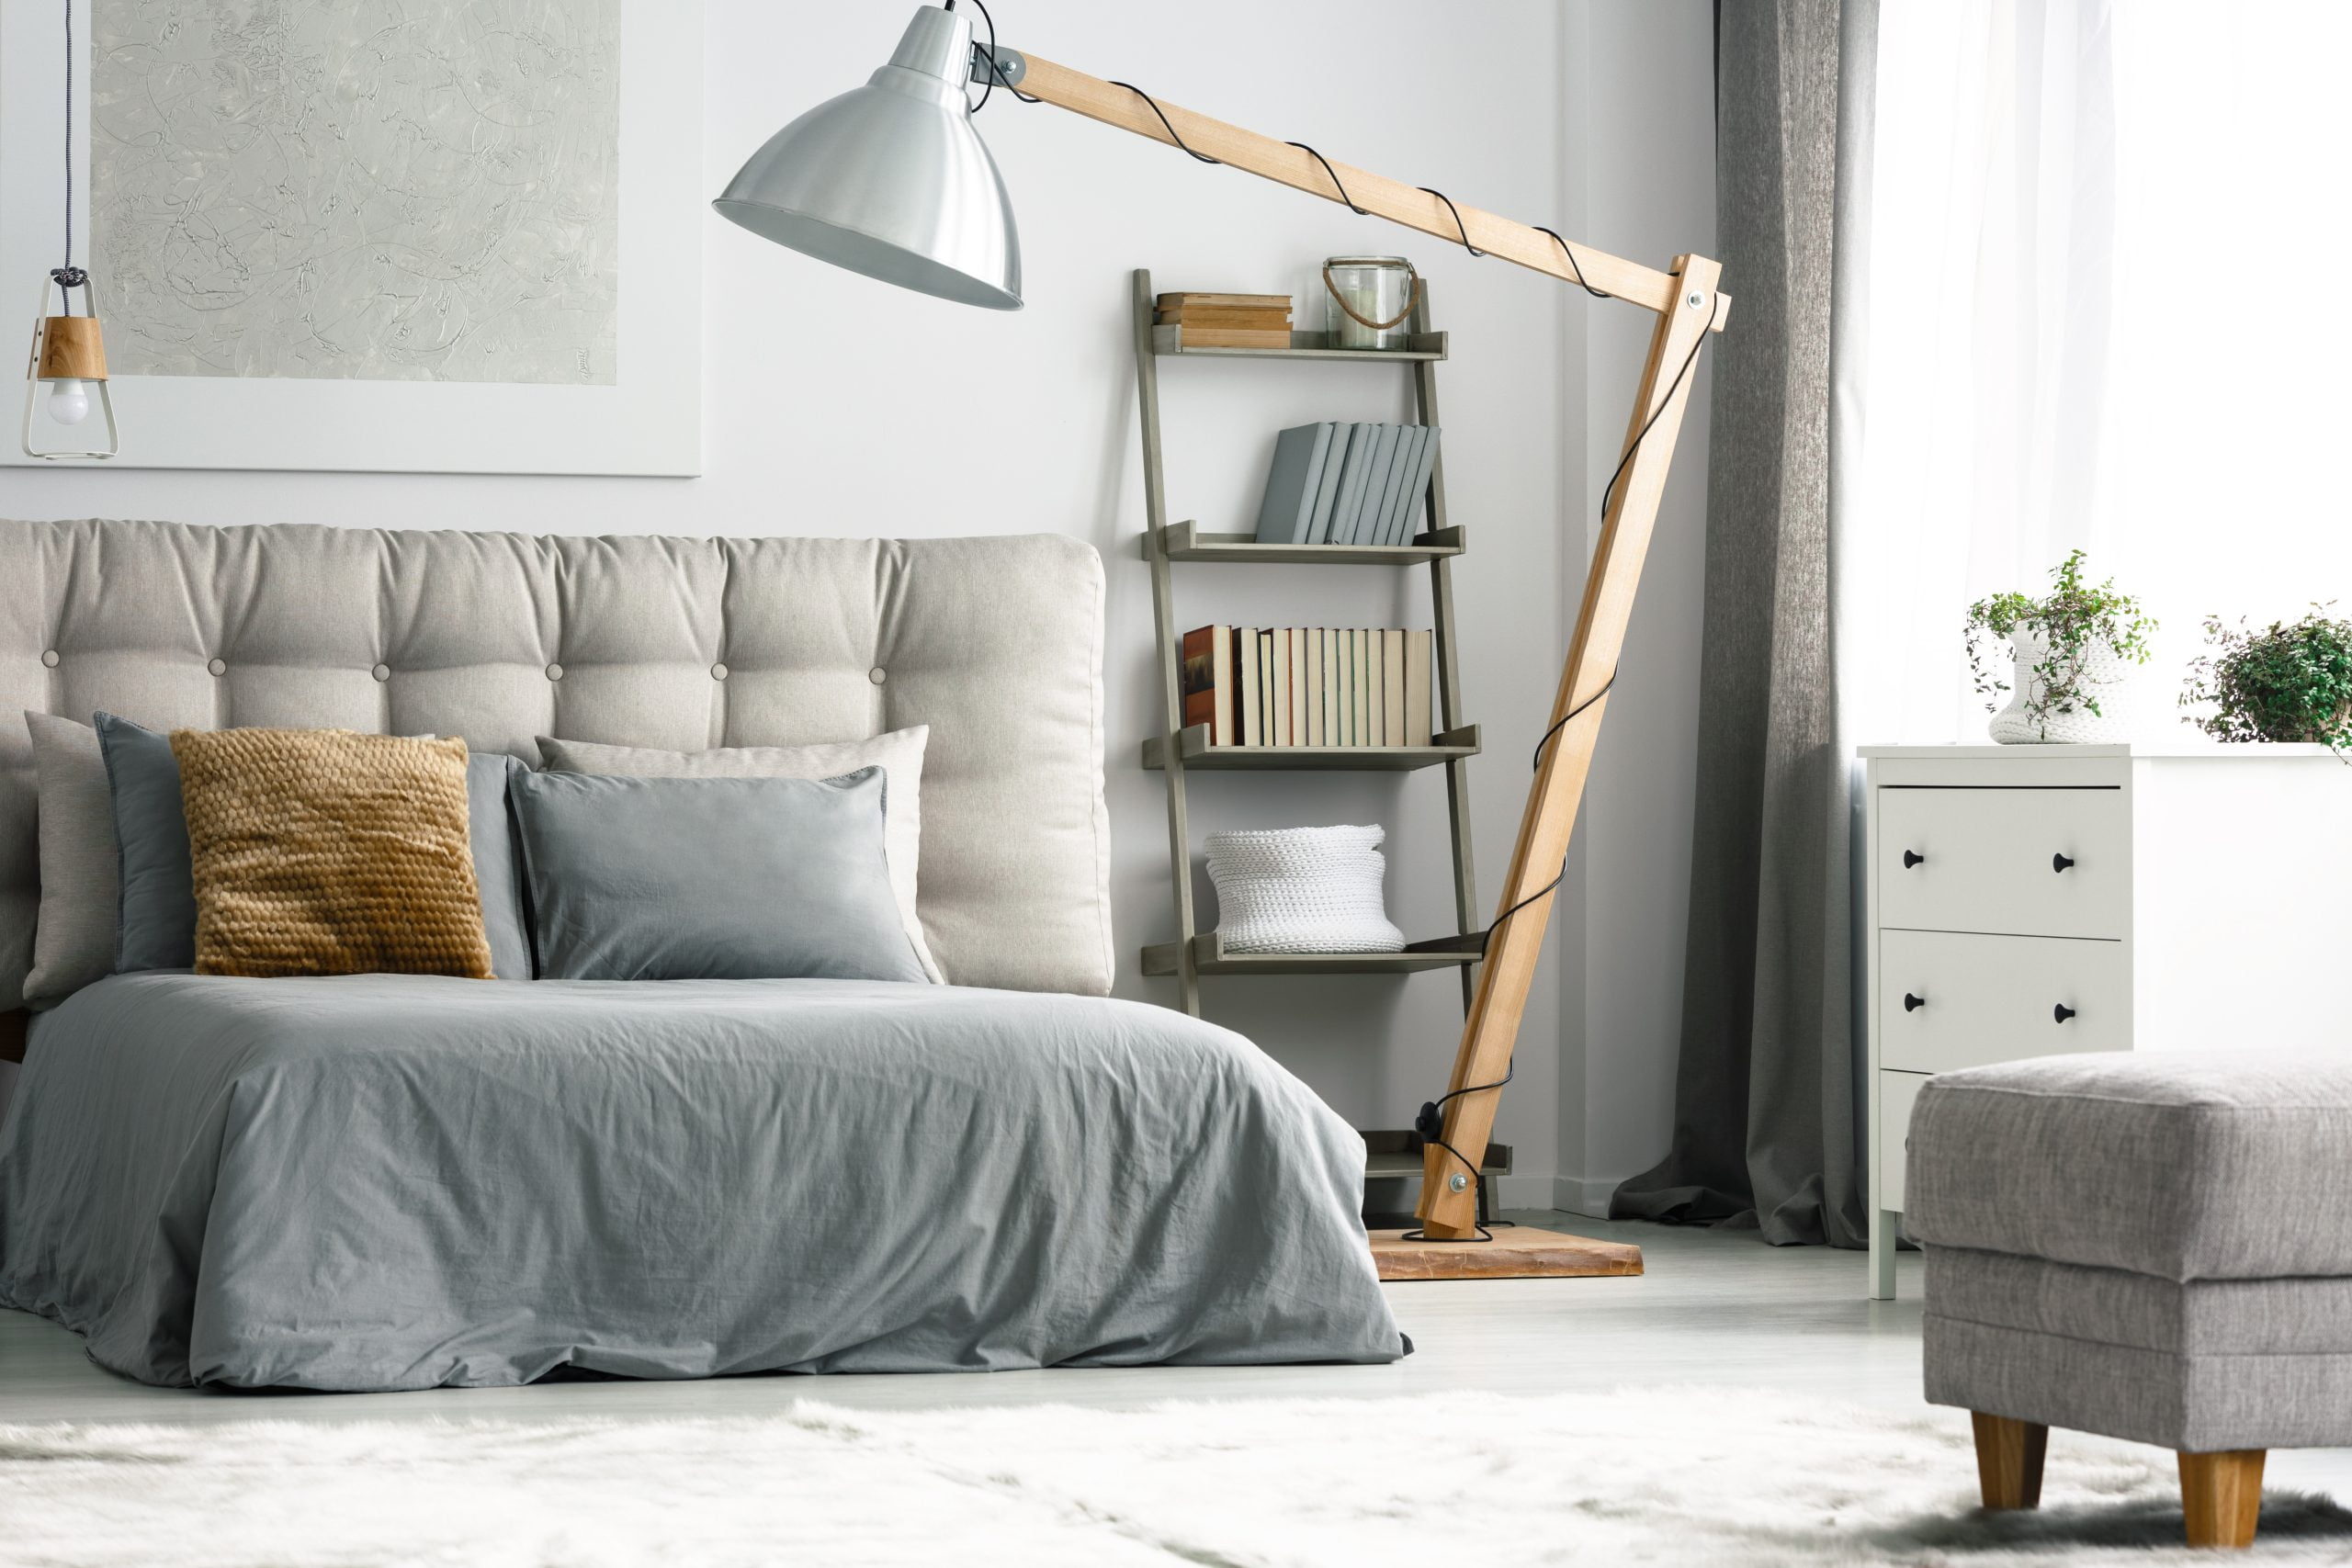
(1431, 1123)
(1347, 200)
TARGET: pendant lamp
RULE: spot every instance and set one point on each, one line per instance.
(67, 368)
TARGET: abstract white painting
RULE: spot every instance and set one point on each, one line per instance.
(369, 189)
(458, 236)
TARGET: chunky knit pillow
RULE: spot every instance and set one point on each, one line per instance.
(324, 851)
(1301, 890)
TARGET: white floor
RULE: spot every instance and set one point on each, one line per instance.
(1714, 1307)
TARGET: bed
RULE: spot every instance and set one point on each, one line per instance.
(397, 1183)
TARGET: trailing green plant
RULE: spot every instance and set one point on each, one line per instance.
(2290, 681)
(2074, 618)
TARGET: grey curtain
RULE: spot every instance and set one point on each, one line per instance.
(1765, 1106)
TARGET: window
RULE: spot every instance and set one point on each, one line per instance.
(2102, 313)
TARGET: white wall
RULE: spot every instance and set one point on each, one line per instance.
(834, 405)
(1640, 91)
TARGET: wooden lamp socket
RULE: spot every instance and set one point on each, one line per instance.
(71, 350)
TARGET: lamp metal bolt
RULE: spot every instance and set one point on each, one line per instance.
(1457, 1181)
(1695, 301)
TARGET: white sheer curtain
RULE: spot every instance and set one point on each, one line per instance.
(2102, 314)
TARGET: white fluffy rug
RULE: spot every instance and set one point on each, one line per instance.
(1671, 1476)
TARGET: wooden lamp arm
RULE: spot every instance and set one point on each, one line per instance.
(1689, 308)
(1399, 203)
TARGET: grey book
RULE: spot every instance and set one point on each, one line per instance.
(1297, 468)
(1364, 518)
(1424, 464)
(1381, 500)
(1409, 457)
(1327, 493)
(1351, 483)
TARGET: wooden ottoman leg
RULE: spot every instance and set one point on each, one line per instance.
(2220, 1497)
(2008, 1460)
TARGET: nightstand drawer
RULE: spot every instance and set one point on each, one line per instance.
(2015, 861)
(1950, 1000)
(1897, 1092)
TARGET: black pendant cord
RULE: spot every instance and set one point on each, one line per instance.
(69, 277)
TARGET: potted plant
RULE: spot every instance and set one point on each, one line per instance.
(2291, 681)
(2071, 657)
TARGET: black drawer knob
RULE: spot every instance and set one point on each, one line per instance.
(1912, 1003)
(2060, 1013)
(1912, 857)
(2060, 862)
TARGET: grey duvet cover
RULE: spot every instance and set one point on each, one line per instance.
(401, 1182)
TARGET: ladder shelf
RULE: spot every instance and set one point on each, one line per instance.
(1181, 749)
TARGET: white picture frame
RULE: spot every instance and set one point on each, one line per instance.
(646, 422)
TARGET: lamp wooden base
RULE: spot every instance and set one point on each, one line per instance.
(1518, 1252)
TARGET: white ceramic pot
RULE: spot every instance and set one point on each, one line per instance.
(2106, 678)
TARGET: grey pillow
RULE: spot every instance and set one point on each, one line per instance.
(741, 879)
(155, 927)
(497, 870)
(155, 919)
(898, 753)
(73, 934)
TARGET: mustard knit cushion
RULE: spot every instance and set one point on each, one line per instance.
(324, 851)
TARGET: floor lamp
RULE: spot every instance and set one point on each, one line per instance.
(891, 180)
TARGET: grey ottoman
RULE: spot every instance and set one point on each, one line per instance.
(2156, 1247)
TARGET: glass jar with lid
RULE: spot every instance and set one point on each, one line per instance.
(1369, 300)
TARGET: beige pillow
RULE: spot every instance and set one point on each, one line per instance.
(325, 851)
(80, 864)
(898, 753)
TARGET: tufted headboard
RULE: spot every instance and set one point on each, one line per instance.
(995, 643)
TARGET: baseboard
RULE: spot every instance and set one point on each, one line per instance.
(1532, 1191)
(1584, 1195)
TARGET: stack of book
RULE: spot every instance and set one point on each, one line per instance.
(1226, 320)
(1309, 685)
(1347, 484)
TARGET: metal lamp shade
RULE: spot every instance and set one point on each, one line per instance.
(890, 179)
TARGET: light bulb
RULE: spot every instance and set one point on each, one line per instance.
(69, 402)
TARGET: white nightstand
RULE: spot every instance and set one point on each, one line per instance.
(2040, 900)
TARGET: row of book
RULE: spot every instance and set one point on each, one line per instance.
(1309, 685)
(1347, 484)
(1226, 321)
